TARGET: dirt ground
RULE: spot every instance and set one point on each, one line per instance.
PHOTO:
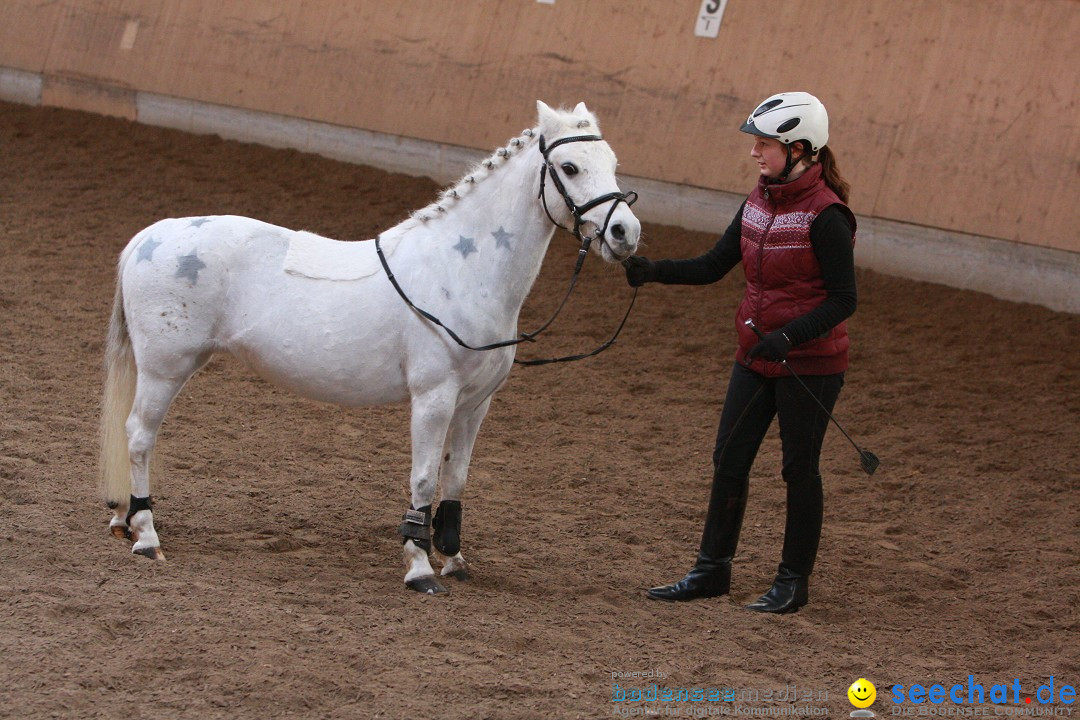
(282, 595)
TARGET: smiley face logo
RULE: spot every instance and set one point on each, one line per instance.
(862, 693)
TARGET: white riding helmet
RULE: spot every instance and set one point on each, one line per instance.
(790, 117)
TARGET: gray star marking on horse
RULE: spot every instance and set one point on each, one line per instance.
(199, 222)
(465, 246)
(190, 265)
(146, 249)
(502, 238)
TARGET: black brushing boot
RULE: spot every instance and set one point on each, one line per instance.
(447, 527)
(711, 574)
(802, 533)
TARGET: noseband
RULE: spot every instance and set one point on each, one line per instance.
(578, 212)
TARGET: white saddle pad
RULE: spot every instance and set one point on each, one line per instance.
(320, 258)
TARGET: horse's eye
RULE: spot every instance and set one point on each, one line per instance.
(569, 168)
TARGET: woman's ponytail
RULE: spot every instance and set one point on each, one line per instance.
(831, 174)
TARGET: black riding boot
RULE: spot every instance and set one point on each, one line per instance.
(802, 533)
(711, 574)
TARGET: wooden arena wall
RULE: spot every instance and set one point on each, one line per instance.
(952, 115)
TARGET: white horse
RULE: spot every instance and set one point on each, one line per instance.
(321, 318)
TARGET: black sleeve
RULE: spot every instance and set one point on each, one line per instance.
(707, 268)
(831, 235)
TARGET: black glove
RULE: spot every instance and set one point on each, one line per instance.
(775, 346)
(639, 270)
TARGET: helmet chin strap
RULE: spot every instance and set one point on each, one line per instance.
(790, 165)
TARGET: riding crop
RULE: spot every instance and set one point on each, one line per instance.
(867, 459)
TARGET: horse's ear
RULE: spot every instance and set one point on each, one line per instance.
(590, 119)
(544, 112)
(550, 122)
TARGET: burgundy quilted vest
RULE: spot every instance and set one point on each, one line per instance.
(783, 279)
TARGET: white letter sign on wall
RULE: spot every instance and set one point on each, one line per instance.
(708, 20)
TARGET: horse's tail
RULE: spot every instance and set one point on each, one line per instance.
(120, 374)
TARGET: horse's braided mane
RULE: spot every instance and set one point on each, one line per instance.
(485, 169)
(480, 172)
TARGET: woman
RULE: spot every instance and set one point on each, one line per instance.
(794, 235)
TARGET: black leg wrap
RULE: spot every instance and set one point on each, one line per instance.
(416, 526)
(136, 505)
(447, 525)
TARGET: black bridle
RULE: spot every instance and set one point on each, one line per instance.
(577, 211)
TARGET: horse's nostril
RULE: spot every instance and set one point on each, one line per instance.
(618, 232)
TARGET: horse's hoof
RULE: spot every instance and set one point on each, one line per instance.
(150, 552)
(121, 531)
(455, 567)
(428, 585)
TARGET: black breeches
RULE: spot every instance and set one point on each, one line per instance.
(751, 404)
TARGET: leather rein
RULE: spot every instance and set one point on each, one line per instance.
(578, 212)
